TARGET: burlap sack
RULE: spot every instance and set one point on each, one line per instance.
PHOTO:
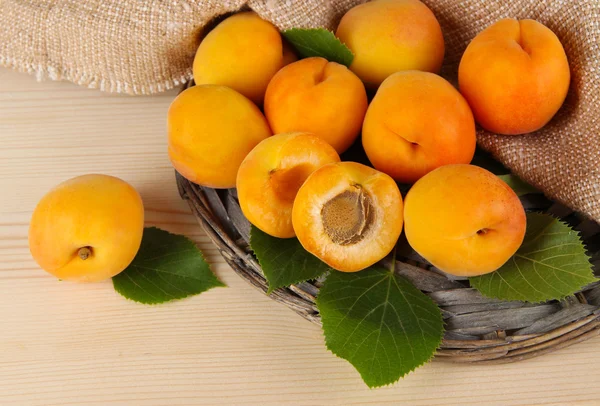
(147, 46)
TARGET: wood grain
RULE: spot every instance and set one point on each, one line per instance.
(70, 344)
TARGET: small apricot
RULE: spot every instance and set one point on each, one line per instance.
(417, 122)
(271, 175)
(464, 220)
(320, 97)
(211, 130)
(242, 52)
(349, 215)
(87, 229)
(515, 75)
(388, 36)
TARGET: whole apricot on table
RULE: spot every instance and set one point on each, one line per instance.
(515, 75)
(87, 229)
(242, 52)
(388, 36)
(417, 122)
(464, 220)
(271, 175)
(211, 130)
(348, 215)
(320, 97)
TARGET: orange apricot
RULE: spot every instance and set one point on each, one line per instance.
(87, 229)
(464, 220)
(211, 130)
(272, 173)
(417, 122)
(388, 36)
(515, 75)
(320, 97)
(242, 52)
(349, 215)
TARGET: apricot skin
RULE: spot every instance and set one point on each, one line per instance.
(319, 97)
(271, 175)
(243, 52)
(211, 130)
(515, 75)
(417, 122)
(385, 219)
(100, 212)
(464, 220)
(388, 36)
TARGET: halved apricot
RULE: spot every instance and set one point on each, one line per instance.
(349, 215)
(271, 174)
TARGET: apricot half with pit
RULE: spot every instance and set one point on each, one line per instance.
(349, 215)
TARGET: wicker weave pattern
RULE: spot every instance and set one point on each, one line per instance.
(478, 329)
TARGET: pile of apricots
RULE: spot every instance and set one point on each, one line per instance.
(274, 127)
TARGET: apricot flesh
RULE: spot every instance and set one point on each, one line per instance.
(320, 97)
(243, 52)
(388, 36)
(464, 220)
(211, 129)
(349, 215)
(515, 75)
(270, 176)
(417, 122)
(87, 229)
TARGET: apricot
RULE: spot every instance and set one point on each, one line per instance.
(242, 52)
(271, 175)
(319, 97)
(349, 215)
(211, 130)
(388, 36)
(464, 220)
(87, 229)
(515, 75)
(417, 122)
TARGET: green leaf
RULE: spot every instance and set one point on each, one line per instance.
(519, 186)
(319, 42)
(551, 264)
(166, 267)
(379, 322)
(283, 260)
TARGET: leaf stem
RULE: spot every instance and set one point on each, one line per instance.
(393, 261)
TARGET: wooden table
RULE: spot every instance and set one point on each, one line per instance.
(69, 344)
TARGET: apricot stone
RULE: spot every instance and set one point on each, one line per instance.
(242, 52)
(464, 220)
(211, 130)
(349, 215)
(388, 36)
(417, 122)
(515, 75)
(271, 175)
(87, 229)
(319, 97)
